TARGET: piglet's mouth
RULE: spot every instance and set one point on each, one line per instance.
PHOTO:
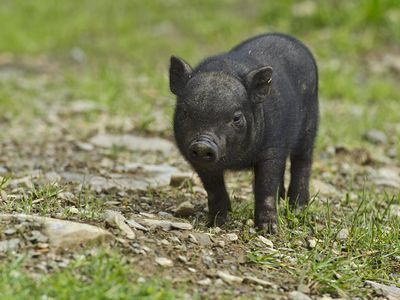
(203, 150)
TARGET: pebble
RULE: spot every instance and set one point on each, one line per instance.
(185, 209)
(376, 137)
(3, 196)
(206, 281)
(232, 237)
(164, 262)
(266, 241)
(228, 278)
(343, 234)
(296, 295)
(312, 243)
(203, 239)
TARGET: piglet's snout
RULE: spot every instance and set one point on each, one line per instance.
(204, 149)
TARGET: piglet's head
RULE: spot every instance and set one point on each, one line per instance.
(214, 119)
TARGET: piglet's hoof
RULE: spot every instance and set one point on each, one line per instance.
(270, 227)
(217, 220)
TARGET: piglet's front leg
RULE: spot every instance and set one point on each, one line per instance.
(269, 170)
(218, 199)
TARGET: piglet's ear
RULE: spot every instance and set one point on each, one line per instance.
(179, 74)
(258, 84)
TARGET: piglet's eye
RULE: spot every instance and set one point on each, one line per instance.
(238, 119)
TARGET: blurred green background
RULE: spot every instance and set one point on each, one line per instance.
(117, 53)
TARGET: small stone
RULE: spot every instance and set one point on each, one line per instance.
(183, 259)
(207, 260)
(132, 223)
(73, 210)
(232, 237)
(250, 223)
(395, 210)
(221, 244)
(312, 243)
(219, 282)
(343, 234)
(9, 245)
(296, 295)
(255, 280)
(3, 170)
(3, 195)
(392, 152)
(38, 237)
(164, 242)
(203, 239)
(216, 230)
(192, 270)
(376, 137)
(181, 225)
(185, 209)
(84, 146)
(266, 241)
(164, 214)
(9, 231)
(164, 262)
(387, 177)
(228, 278)
(116, 219)
(206, 281)
(391, 292)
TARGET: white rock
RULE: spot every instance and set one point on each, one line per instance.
(228, 278)
(203, 239)
(296, 295)
(64, 234)
(395, 210)
(266, 241)
(391, 292)
(132, 223)
(312, 243)
(116, 219)
(255, 280)
(387, 177)
(206, 281)
(164, 262)
(73, 210)
(9, 245)
(376, 137)
(232, 237)
(3, 195)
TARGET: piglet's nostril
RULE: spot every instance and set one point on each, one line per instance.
(203, 151)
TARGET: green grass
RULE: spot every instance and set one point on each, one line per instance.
(338, 265)
(105, 275)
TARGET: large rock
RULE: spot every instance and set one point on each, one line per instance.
(64, 234)
(132, 142)
(391, 292)
(133, 176)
